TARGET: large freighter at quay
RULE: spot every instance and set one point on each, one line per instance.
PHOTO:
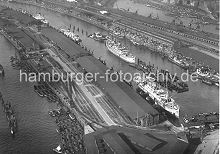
(120, 51)
(158, 95)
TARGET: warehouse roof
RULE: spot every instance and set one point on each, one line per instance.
(123, 140)
(119, 92)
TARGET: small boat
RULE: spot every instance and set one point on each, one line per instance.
(98, 37)
(217, 84)
(53, 113)
(1, 70)
(185, 120)
(13, 125)
(12, 131)
(118, 34)
(202, 72)
(58, 149)
(40, 93)
(24, 11)
(12, 58)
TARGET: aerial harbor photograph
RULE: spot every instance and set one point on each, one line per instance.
(109, 76)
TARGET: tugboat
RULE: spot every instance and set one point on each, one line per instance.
(98, 37)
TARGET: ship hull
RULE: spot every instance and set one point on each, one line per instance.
(118, 54)
(174, 112)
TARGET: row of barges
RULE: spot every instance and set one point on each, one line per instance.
(10, 115)
(43, 90)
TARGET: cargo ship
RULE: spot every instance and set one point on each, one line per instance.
(120, 51)
(158, 95)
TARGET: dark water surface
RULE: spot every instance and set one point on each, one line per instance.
(36, 130)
